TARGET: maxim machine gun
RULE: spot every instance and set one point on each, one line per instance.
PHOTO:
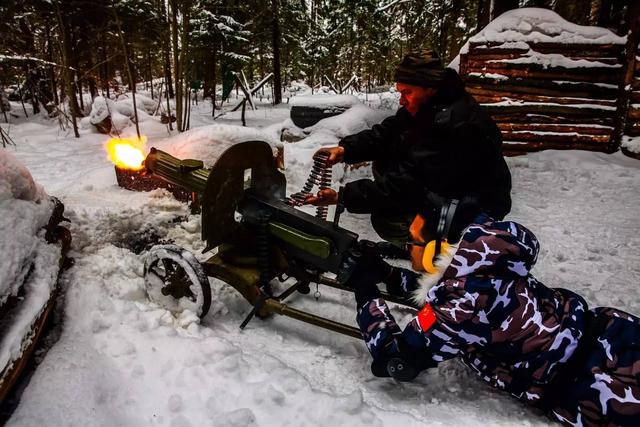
(259, 236)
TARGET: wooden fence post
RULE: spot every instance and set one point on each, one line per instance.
(629, 64)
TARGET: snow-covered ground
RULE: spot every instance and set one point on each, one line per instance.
(122, 362)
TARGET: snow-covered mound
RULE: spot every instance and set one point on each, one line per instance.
(103, 108)
(124, 104)
(323, 100)
(24, 209)
(632, 144)
(207, 143)
(26, 260)
(327, 133)
(542, 25)
(354, 120)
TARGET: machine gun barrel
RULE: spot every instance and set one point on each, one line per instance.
(188, 173)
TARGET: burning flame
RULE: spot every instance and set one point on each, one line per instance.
(127, 153)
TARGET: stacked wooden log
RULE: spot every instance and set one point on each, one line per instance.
(633, 118)
(547, 95)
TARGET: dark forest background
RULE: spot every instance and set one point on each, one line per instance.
(59, 48)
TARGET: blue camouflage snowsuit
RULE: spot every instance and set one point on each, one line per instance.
(542, 345)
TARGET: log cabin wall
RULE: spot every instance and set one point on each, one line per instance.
(549, 95)
(633, 118)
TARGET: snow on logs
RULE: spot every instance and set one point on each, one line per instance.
(308, 110)
(547, 83)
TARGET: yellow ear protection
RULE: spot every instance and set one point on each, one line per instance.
(430, 255)
(437, 247)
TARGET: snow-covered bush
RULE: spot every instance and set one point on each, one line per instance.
(105, 116)
(124, 104)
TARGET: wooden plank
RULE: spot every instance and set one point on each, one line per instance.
(632, 128)
(564, 138)
(548, 110)
(11, 376)
(634, 114)
(516, 146)
(594, 74)
(544, 87)
(501, 96)
(532, 66)
(547, 47)
(554, 127)
(558, 119)
(517, 92)
(493, 56)
(610, 78)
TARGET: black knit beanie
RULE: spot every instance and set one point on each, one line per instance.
(420, 69)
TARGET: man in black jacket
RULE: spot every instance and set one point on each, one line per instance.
(440, 141)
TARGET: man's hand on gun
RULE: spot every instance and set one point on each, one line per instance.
(334, 155)
(324, 197)
(327, 196)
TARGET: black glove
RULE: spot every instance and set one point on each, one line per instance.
(370, 270)
(403, 364)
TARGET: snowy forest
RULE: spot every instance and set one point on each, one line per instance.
(311, 212)
(78, 46)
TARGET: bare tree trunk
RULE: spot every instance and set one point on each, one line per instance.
(573, 11)
(105, 67)
(184, 66)
(483, 15)
(150, 69)
(67, 72)
(501, 6)
(166, 51)
(132, 83)
(51, 70)
(277, 83)
(177, 67)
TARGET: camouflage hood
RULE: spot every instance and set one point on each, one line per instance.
(494, 249)
(503, 249)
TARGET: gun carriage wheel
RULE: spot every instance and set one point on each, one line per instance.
(175, 280)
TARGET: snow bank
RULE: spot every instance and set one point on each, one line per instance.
(25, 256)
(102, 108)
(542, 25)
(632, 144)
(354, 120)
(124, 104)
(24, 210)
(324, 101)
(207, 143)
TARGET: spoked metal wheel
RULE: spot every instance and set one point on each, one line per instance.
(175, 280)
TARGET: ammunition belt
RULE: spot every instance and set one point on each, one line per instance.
(320, 175)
